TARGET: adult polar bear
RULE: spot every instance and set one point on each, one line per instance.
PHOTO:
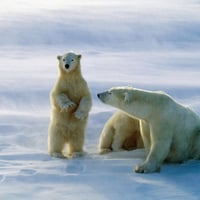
(170, 131)
(71, 102)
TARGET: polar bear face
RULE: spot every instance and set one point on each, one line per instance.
(115, 96)
(69, 61)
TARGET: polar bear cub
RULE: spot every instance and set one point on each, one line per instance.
(71, 103)
(120, 132)
(170, 131)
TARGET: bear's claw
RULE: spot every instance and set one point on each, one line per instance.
(147, 168)
(67, 105)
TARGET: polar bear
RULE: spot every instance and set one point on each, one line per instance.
(71, 102)
(120, 132)
(170, 131)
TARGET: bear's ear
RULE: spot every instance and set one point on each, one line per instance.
(79, 56)
(59, 57)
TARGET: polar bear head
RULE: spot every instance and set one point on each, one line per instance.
(69, 62)
(136, 102)
(116, 96)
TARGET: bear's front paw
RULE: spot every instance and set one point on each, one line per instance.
(148, 167)
(67, 106)
(80, 115)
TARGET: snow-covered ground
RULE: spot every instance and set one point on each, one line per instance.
(150, 44)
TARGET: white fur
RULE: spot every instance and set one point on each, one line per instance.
(120, 132)
(71, 103)
(170, 131)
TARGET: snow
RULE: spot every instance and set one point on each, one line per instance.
(147, 44)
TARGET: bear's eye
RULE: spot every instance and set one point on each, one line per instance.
(63, 60)
(109, 92)
(72, 60)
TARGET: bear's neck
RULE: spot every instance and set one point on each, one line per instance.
(71, 75)
(142, 103)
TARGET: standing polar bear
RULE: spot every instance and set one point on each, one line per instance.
(170, 131)
(120, 132)
(71, 103)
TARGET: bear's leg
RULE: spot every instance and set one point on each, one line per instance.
(75, 144)
(160, 146)
(140, 143)
(106, 139)
(118, 140)
(56, 142)
(145, 133)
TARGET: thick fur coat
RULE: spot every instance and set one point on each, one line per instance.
(120, 132)
(170, 131)
(71, 103)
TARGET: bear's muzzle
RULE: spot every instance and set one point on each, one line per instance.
(67, 66)
(102, 96)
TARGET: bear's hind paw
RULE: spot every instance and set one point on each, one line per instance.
(104, 151)
(58, 155)
(77, 155)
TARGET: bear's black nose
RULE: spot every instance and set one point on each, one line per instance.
(98, 95)
(67, 66)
